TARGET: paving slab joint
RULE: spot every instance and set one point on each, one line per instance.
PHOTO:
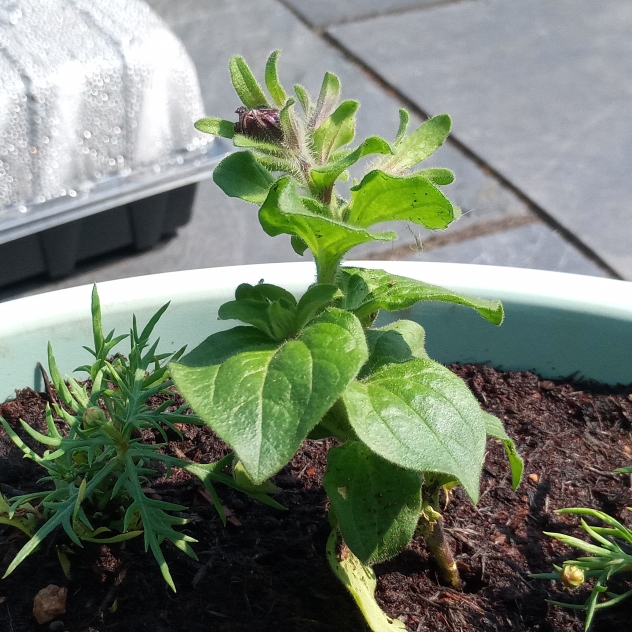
(320, 28)
(467, 152)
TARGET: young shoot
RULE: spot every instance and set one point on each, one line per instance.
(97, 464)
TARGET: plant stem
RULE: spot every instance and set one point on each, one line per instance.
(430, 528)
(327, 269)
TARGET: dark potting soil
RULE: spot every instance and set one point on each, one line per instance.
(266, 570)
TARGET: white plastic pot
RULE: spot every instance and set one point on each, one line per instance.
(556, 324)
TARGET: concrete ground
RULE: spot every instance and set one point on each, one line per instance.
(539, 92)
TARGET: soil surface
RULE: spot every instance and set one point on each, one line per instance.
(266, 570)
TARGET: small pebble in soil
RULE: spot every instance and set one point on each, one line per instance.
(49, 603)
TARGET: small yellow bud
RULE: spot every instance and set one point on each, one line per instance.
(94, 416)
(572, 576)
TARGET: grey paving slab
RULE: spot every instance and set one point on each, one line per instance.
(536, 246)
(225, 231)
(540, 90)
(325, 12)
(206, 32)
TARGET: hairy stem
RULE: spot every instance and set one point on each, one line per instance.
(327, 269)
(430, 528)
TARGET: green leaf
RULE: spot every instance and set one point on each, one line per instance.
(377, 289)
(361, 582)
(264, 403)
(377, 504)
(336, 131)
(157, 523)
(381, 198)
(421, 416)
(327, 99)
(313, 301)
(265, 292)
(272, 79)
(437, 175)
(248, 142)
(298, 245)
(248, 311)
(62, 514)
(245, 482)
(291, 131)
(283, 319)
(404, 119)
(218, 347)
(240, 175)
(303, 99)
(284, 212)
(97, 325)
(414, 148)
(494, 428)
(398, 342)
(326, 175)
(245, 84)
(216, 126)
(335, 423)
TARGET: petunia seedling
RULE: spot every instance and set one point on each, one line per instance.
(319, 366)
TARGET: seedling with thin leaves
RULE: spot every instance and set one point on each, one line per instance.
(610, 554)
(98, 465)
(318, 367)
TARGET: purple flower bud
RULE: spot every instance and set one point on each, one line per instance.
(261, 122)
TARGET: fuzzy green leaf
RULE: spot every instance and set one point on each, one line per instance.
(377, 504)
(245, 84)
(398, 342)
(421, 416)
(265, 292)
(216, 126)
(248, 311)
(366, 291)
(272, 79)
(291, 131)
(437, 175)
(415, 147)
(494, 428)
(326, 175)
(218, 347)
(240, 175)
(327, 99)
(303, 99)
(336, 131)
(284, 212)
(381, 198)
(404, 120)
(314, 301)
(264, 403)
(248, 142)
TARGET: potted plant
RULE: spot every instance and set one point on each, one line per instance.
(319, 366)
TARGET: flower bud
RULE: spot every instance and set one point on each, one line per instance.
(572, 576)
(94, 416)
(261, 122)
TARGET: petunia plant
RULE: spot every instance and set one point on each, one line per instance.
(317, 366)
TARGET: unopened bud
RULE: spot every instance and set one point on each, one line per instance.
(572, 576)
(94, 416)
(261, 122)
